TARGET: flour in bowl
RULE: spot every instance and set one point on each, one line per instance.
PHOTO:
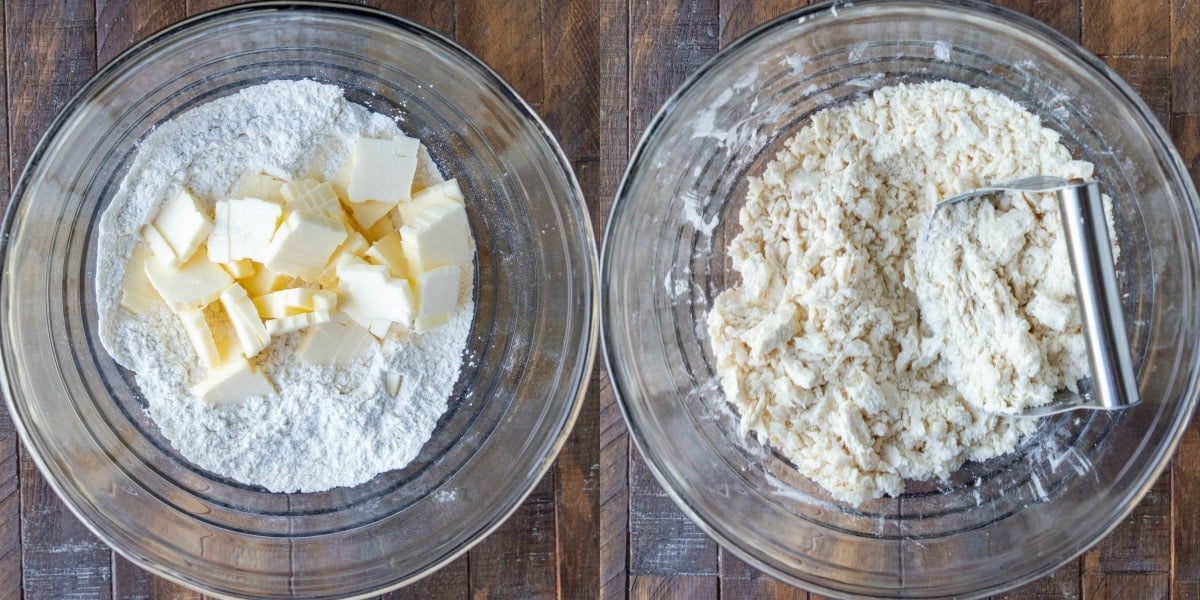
(859, 367)
(326, 425)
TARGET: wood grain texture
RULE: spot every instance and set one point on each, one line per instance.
(571, 78)
(674, 587)
(1184, 20)
(1126, 27)
(738, 18)
(506, 34)
(452, 581)
(10, 481)
(1142, 542)
(740, 580)
(667, 42)
(1064, 16)
(1150, 77)
(1064, 584)
(517, 560)
(438, 16)
(615, 142)
(1126, 586)
(49, 57)
(120, 24)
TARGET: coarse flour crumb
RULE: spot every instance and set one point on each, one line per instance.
(861, 365)
(328, 426)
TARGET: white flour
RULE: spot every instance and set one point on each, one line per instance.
(328, 426)
(823, 347)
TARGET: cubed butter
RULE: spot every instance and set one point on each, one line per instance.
(382, 170)
(292, 301)
(183, 225)
(191, 285)
(239, 269)
(370, 212)
(233, 383)
(201, 336)
(259, 185)
(437, 290)
(137, 293)
(159, 247)
(381, 228)
(389, 252)
(292, 190)
(303, 245)
(367, 293)
(423, 324)
(319, 199)
(391, 383)
(265, 281)
(340, 341)
(297, 322)
(251, 225)
(251, 333)
(438, 237)
(434, 194)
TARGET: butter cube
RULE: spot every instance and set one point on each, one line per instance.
(423, 324)
(239, 269)
(438, 237)
(192, 285)
(434, 194)
(381, 228)
(367, 293)
(382, 170)
(340, 341)
(265, 281)
(389, 251)
(183, 225)
(297, 322)
(137, 294)
(251, 333)
(355, 246)
(292, 301)
(294, 189)
(303, 245)
(437, 291)
(370, 212)
(319, 199)
(380, 328)
(159, 247)
(391, 383)
(218, 238)
(233, 383)
(446, 189)
(201, 337)
(259, 185)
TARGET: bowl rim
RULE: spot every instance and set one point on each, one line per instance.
(128, 58)
(625, 390)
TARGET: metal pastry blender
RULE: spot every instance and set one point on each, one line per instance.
(1113, 382)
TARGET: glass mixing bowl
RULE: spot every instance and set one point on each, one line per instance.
(529, 353)
(993, 525)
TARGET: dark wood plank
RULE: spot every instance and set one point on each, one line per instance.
(1150, 77)
(738, 18)
(614, 441)
(132, 583)
(507, 35)
(1063, 15)
(1126, 27)
(1141, 543)
(120, 24)
(673, 587)
(51, 51)
(1063, 584)
(434, 15)
(571, 79)
(1185, 56)
(740, 580)
(667, 41)
(10, 461)
(518, 559)
(451, 581)
(1126, 586)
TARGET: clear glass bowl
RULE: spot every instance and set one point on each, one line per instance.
(993, 525)
(529, 353)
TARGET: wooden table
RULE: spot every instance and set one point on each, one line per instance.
(597, 70)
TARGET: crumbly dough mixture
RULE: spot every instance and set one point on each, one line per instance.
(824, 347)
